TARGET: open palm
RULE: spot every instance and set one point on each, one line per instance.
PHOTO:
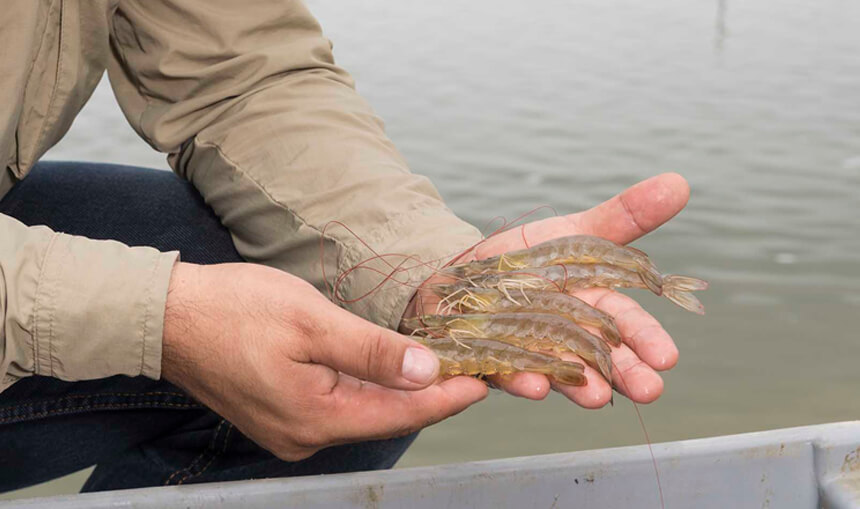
(647, 347)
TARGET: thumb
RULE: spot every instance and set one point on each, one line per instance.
(369, 352)
(638, 210)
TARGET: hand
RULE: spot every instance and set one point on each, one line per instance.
(647, 347)
(269, 353)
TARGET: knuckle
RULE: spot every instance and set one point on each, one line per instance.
(375, 352)
(306, 323)
(608, 301)
(632, 364)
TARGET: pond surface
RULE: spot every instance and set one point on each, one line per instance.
(508, 106)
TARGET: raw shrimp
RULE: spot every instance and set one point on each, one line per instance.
(482, 300)
(477, 356)
(533, 331)
(570, 278)
(575, 249)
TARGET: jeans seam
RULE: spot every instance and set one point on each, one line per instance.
(212, 459)
(10, 410)
(101, 394)
(106, 406)
(200, 456)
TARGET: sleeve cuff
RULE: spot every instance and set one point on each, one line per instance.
(99, 309)
(429, 237)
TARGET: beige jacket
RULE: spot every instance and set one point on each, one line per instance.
(245, 98)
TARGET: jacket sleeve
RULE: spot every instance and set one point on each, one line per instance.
(247, 100)
(78, 309)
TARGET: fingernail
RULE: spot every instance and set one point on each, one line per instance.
(419, 365)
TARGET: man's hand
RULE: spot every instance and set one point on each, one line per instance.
(268, 352)
(647, 347)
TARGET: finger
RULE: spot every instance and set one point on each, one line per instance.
(592, 396)
(595, 394)
(633, 378)
(636, 211)
(369, 352)
(639, 330)
(524, 385)
(369, 411)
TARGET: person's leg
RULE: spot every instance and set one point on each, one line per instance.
(139, 432)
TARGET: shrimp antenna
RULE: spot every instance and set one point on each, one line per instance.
(475, 331)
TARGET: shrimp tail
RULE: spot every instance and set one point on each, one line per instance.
(684, 283)
(686, 300)
(647, 271)
(604, 364)
(601, 361)
(677, 289)
(569, 373)
(609, 331)
(651, 277)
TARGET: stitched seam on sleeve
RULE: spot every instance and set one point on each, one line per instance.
(339, 245)
(38, 301)
(343, 250)
(147, 305)
(391, 317)
(51, 310)
(260, 186)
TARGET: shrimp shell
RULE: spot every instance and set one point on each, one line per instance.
(570, 278)
(480, 300)
(478, 356)
(575, 249)
(526, 330)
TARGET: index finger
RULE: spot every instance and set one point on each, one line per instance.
(367, 411)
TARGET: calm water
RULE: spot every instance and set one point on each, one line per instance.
(508, 106)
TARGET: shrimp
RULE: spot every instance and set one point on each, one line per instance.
(570, 278)
(575, 249)
(480, 300)
(532, 331)
(477, 356)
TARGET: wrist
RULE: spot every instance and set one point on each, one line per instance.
(178, 330)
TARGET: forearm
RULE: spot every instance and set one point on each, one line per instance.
(279, 143)
(338, 167)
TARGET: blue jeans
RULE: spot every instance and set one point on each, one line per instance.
(139, 432)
